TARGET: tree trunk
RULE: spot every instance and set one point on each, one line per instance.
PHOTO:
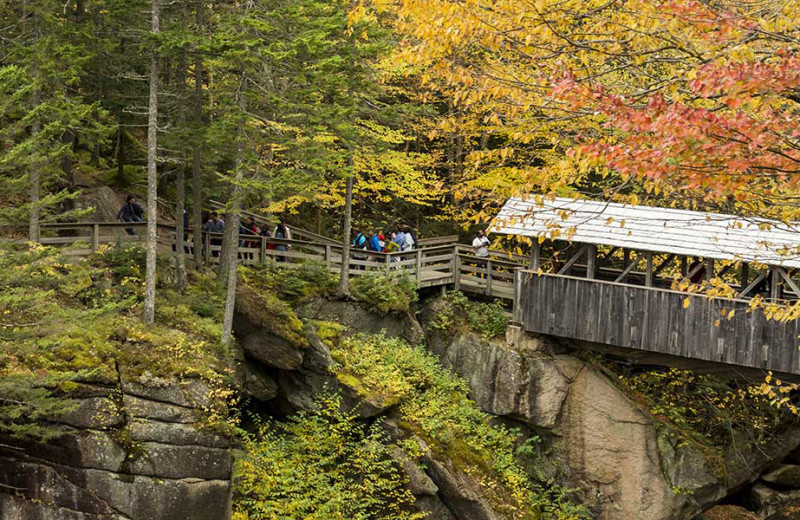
(344, 274)
(232, 231)
(35, 180)
(180, 242)
(197, 174)
(180, 181)
(120, 153)
(152, 180)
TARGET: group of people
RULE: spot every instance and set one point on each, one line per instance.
(402, 239)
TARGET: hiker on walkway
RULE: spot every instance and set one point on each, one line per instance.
(480, 244)
(282, 231)
(411, 237)
(409, 242)
(245, 229)
(360, 242)
(399, 238)
(374, 242)
(131, 211)
(216, 226)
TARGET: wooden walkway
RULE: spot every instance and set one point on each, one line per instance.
(586, 299)
(438, 262)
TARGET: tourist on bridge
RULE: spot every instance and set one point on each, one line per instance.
(282, 231)
(131, 211)
(216, 226)
(374, 242)
(480, 244)
(411, 237)
(360, 242)
(399, 238)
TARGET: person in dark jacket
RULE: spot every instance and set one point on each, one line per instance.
(131, 211)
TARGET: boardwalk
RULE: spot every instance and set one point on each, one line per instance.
(606, 295)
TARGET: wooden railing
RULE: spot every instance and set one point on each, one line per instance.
(438, 262)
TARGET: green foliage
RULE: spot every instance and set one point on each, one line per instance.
(320, 465)
(435, 405)
(458, 312)
(294, 283)
(386, 294)
(704, 409)
(62, 323)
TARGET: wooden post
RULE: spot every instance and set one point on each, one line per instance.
(456, 270)
(684, 266)
(327, 255)
(419, 265)
(648, 280)
(774, 283)
(591, 261)
(536, 251)
(709, 268)
(95, 236)
(517, 304)
(207, 248)
(263, 246)
(745, 274)
(388, 263)
(488, 277)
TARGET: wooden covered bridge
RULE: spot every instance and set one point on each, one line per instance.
(673, 282)
(663, 281)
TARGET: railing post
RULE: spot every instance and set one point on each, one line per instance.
(263, 246)
(327, 255)
(207, 248)
(648, 273)
(517, 304)
(456, 270)
(95, 236)
(419, 265)
(536, 251)
(488, 277)
(388, 262)
(591, 261)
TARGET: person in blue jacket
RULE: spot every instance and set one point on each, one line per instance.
(374, 242)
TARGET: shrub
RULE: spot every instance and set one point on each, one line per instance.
(293, 283)
(434, 404)
(62, 323)
(704, 409)
(320, 465)
(387, 294)
(458, 311)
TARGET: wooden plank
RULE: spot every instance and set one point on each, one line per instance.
(655, 320)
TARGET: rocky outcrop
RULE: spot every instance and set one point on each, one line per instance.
(357, 318)
(612, 452)
(139, 455)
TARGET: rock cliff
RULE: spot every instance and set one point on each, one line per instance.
(139, 454)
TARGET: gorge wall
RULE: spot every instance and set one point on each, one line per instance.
(138, 454)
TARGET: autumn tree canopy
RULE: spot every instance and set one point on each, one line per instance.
(624, 98)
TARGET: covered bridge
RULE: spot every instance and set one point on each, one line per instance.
(668, 281)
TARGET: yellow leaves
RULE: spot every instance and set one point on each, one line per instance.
(686, 303)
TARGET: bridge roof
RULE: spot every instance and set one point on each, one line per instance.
(645, 228)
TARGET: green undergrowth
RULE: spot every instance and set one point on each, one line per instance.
(291, 283)
(387, 294)
(457, 312)
(66, 323)
(433, 404)
(320, 465)
(269, 292)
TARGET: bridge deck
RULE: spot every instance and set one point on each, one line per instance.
(641, 312)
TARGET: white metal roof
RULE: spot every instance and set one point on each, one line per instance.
(662, 230)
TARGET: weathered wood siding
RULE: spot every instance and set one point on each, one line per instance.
(655, 320)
